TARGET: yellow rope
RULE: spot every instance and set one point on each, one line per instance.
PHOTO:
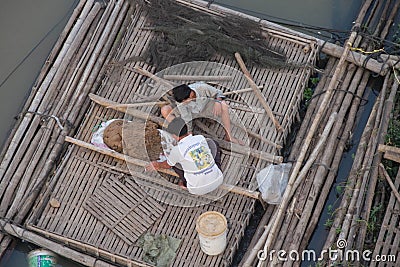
(363, 51)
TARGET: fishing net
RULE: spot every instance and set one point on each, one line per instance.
(184, 34)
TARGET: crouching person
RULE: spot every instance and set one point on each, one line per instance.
(192, 159)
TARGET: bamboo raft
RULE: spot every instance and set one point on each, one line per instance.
(105, 200)
(104, 204)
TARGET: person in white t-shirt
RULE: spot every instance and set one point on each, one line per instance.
(200, 171)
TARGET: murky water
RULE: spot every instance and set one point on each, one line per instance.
(29, 29)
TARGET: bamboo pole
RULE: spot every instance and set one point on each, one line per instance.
(139, 104)
(256, 249)
(326, 47)
(42, 96)
(316, 151)
(352, 180)
(107, 54)
(392, 156)
(142, 163)
(268, 212)
(83, 64)
(352, 221)
(12, 210)
(45, 69)
(382, 130)
(39, 143)
(146, 116)
(384, 173)
(136, 105)
(386, 148)
(244, 90)
(312, 106)
(61, 249)
(321, 110)
(100, 52)
(133, 112)
(389, 21)
(354, 193)
(197, 77)
(170, 85)
(327, 183)
(163, 182)
(150, 75)
(257, 92)
(249, 109)
(239, 148)
(30, 198)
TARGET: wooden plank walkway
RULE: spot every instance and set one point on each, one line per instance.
(83, 173)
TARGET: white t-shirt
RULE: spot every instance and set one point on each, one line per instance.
(201, 172)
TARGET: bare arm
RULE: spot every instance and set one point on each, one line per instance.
(155, 165)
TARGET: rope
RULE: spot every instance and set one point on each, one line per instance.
(341, 90)
(323, 165)
(58, 121)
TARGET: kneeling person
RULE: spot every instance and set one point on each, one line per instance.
(200, 171)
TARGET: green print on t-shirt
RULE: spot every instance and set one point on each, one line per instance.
(201, 157)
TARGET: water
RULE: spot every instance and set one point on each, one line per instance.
(318, 238)
(24, 24)
(332, 14)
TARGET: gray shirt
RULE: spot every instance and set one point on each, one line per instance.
(204, 94)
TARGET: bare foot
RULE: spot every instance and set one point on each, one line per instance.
(180, 183)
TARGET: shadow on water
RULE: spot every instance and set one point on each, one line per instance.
(335, 195)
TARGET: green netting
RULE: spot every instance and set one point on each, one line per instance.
(159, 250)
(184, 34)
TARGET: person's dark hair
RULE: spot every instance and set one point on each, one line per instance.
(181, 92)
(177, 127)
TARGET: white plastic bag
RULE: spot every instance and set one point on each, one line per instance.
(167, 142)
(272, 182)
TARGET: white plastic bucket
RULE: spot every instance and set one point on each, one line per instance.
(42, 258)
(212, 227)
